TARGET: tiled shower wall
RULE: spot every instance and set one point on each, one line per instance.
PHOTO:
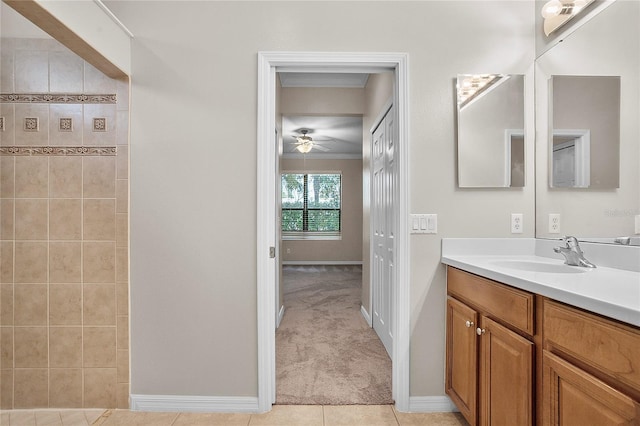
(64, 230)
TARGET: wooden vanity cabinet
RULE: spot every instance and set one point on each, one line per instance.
(490, 354)
(591, 369)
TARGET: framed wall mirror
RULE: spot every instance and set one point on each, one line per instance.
(584, 132)
(491, 136)
(600, 62)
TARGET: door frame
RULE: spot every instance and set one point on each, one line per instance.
(268, 64)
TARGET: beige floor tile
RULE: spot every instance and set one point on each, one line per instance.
(212, 419)
(74, 418)
(48, 418)
(4, 418)
(137, 418)
(289, 415)
(22, 418)
(359, 415)
(431, 419)
(93, 415)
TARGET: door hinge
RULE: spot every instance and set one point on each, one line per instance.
(272, 252)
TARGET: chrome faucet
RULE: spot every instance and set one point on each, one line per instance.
(573, 253)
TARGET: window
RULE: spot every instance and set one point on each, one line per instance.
(311, 205)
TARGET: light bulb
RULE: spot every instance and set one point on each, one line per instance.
(551, 9)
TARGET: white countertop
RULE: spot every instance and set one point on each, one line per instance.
(611, 292)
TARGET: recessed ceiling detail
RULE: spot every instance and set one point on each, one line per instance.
(331, 135)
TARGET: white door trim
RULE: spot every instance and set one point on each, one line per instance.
(268, 64)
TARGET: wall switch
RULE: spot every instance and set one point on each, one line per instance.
(637, 231)
(423, 223)
(554, 223)
(516, 223)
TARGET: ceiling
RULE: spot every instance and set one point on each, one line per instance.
(333, 136)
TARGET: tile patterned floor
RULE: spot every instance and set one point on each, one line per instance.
(280, 415)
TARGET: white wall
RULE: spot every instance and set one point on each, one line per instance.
(193, 165)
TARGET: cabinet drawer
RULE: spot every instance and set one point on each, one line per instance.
(607, 346)
(510, 305)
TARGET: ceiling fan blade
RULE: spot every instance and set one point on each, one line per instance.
(320, 147)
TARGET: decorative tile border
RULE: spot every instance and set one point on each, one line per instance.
(57, 98)
(58, 150)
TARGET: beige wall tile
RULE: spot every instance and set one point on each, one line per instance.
(6, 262)
(60, 137)
(122, 230)
(100, 387)
(66, 70)
(32, 177)
(65, 177)
(99, 262)
(65, 347)
(31, 220)
(123, 365)
(96, 82)
(122, 90)
(99, 305)
(31, 388)
(122, 160)
(99, 177)
(31, 71)
(6, 304)
(30, 347)
(122, 265)
(123, 332)
(30, 305)
(99, 347)
(122, 195)
(7, 138)
(30, 262)
(122, 299)
(65, 388)
(107, 137)
(65, 304)
(39, 137)
(6, 219)
(65, 219)
(99, 220)
(6, 389)
(65, 260)
(122, 396)
(6, 348)
(7, 170)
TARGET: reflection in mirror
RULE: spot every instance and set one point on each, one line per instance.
(490, 130)
(585, 123)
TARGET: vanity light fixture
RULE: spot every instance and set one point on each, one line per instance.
(558, 12)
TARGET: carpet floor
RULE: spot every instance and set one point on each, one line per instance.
(326, 353)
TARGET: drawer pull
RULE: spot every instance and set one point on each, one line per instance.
(469, 324)
(480, 331)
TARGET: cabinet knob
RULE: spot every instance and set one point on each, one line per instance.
(480, 331)
(469, 324)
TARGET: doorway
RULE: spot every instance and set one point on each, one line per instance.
(269, 63)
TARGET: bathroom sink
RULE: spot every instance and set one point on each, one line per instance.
(532, 266)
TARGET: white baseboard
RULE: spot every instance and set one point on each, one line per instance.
(431, 404)
(322, 262)
(366, 315)
(194, 404)
(280, 315)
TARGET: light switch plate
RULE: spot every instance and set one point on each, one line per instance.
(423, 224)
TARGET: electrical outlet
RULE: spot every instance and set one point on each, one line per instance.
(516, 223)
(554, 223)
(288, 251)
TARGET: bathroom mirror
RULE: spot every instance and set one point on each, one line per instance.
(608, 46)
(491, 137)
(585, 132)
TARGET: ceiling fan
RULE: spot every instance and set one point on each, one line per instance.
(305, 143)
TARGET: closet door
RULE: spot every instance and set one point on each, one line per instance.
(383, 191)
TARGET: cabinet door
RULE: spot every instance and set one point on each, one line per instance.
(506, 376)
(462, 359)
(574, 397)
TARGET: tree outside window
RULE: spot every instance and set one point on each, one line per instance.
(311, 203)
